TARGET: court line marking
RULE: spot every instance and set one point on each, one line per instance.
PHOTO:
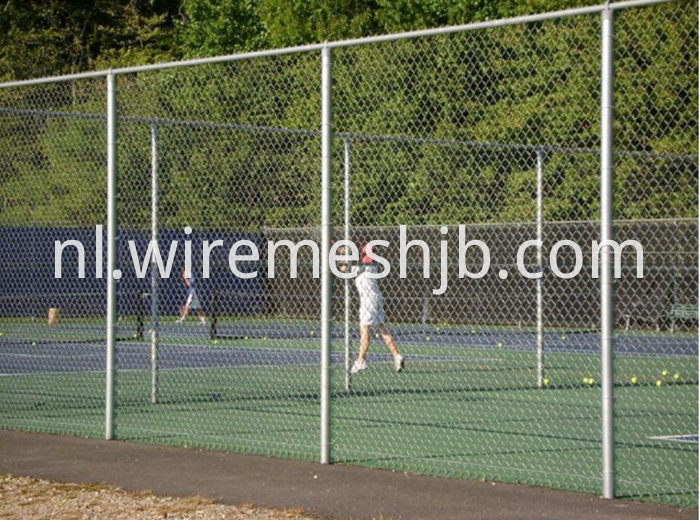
(686, 439)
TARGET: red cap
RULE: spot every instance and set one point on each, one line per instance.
(363, 255)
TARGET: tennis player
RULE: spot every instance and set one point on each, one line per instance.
(192, 302)
(371, 313)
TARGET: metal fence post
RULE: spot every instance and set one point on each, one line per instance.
(540, 268)
(112, 251)
(347, 171)
(326, 234)
(154, 264)
(607, 322)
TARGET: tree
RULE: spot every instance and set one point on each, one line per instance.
(51, 37)
(211, 27)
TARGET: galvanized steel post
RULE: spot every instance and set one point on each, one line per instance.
(326, 234)
(607, 319)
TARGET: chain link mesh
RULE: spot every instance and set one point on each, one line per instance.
(238, 368)
(53, 187)
(452, 130)
(496, 130)
(656, 357)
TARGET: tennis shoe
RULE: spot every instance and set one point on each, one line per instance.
(203, 321)
(398, 362)
(360, 364)
(180, 320)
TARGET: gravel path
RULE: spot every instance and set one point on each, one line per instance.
(29, 498)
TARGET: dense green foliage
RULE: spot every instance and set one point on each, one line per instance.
(527, 87)
(50, 37)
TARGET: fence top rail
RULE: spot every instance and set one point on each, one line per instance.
(488, 24)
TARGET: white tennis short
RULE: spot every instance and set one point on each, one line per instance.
(193, 300)
(371, 310)
(371, 301)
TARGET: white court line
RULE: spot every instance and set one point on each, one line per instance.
(687, 439)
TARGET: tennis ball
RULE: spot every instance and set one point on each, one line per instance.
(246, 337)
(135, 336)
(585, 380)
(563, 337)
(33, 343)
(659, 382)
(500, 343)
(2, 333)
(265, 338)
(216, 342)
(546, 381)
(437, 329)
(664, 373)
(377, 335)
(676, 376)
(427, 338)
(634, 380)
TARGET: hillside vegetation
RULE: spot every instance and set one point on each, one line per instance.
(229, 160)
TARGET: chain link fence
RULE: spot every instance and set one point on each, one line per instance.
(53, 188)
(486, 133)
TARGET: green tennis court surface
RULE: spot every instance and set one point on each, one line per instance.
(466, 406)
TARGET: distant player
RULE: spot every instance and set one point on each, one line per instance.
(192, 302)
(371, 312)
